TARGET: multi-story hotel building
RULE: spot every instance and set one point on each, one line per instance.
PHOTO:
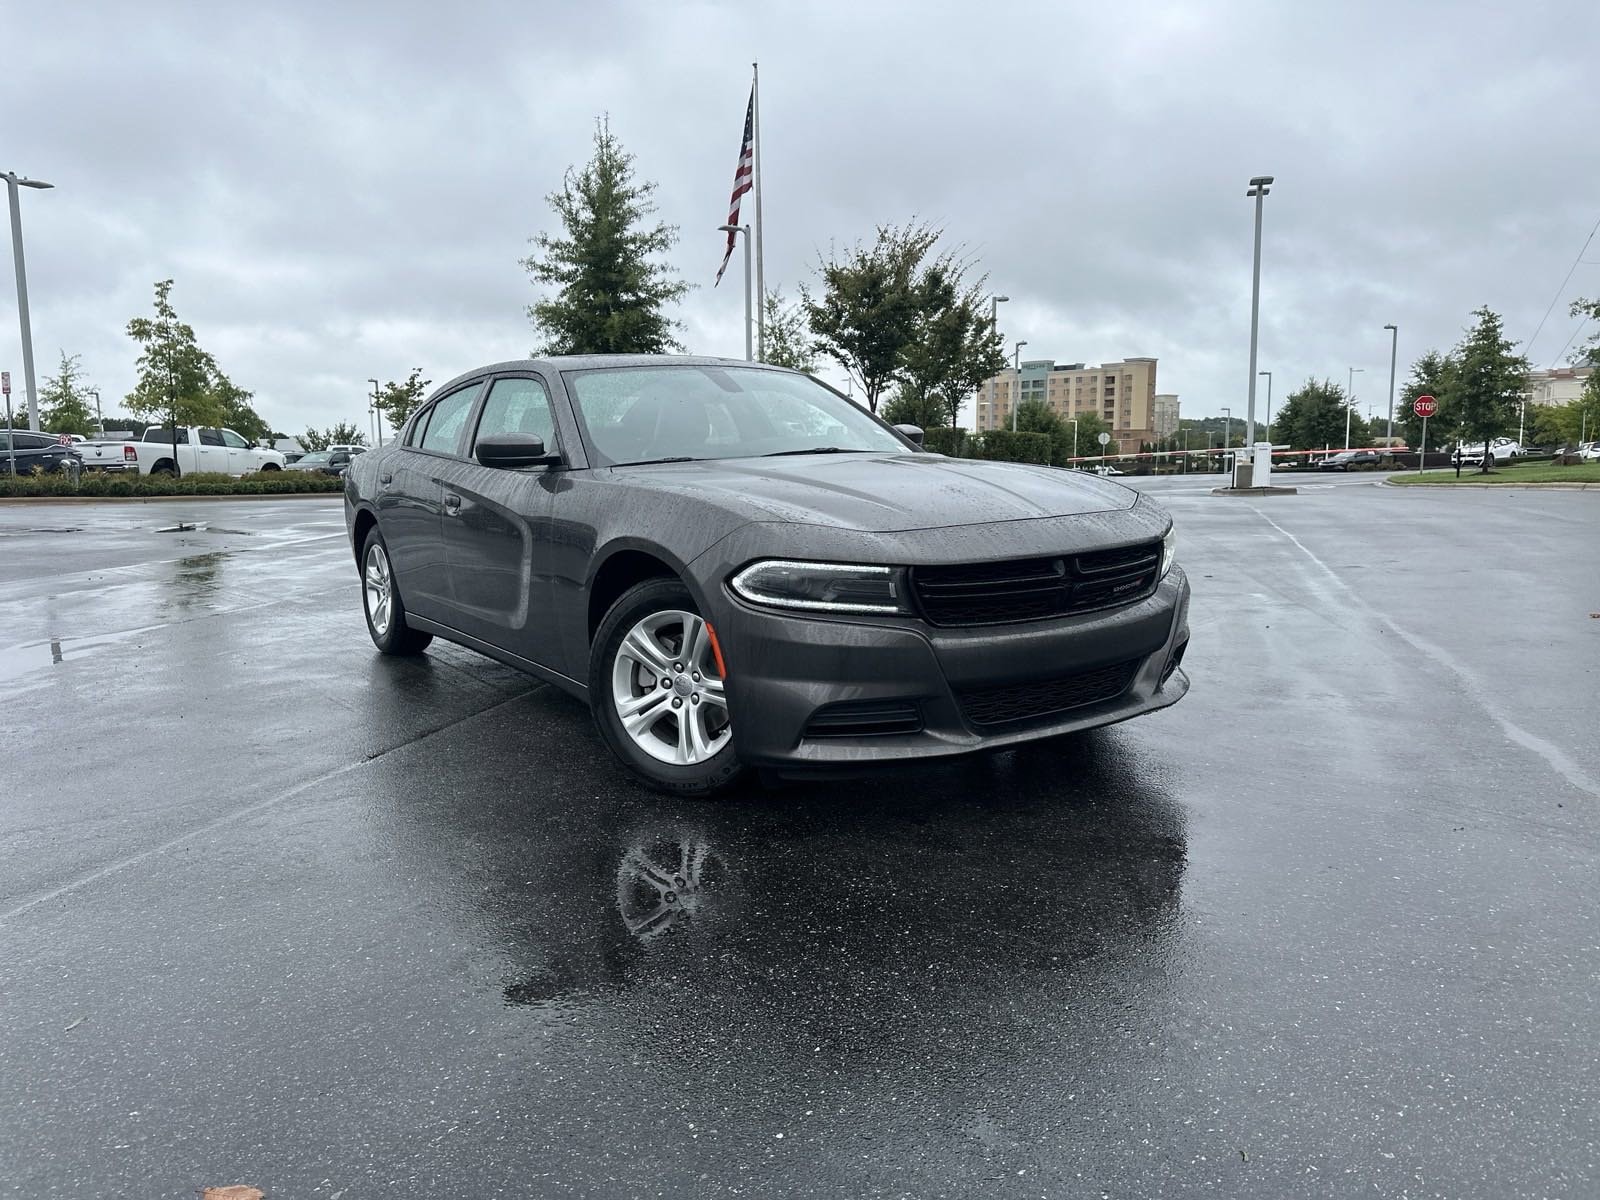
(1123, 394)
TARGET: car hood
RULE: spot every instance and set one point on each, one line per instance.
(883, 493)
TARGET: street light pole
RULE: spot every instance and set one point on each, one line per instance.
(13, 180)
(749, 348)
(1074, 421)
(1227, 423)
(1267, 423)
(1350, 401)
(1259, 190)
(1016, 392)
(99, 419)
(377, 412)
(994, 304)
(1394, 343)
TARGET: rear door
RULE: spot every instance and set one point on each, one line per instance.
(496, 526)
(410, 501)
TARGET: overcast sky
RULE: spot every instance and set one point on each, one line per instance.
(343, 190)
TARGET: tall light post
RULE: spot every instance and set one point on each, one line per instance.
(1394, 344)
(749, 348)
(1227, 422)
(99, 419)
(994, 305)
(377, 412)
(1016, 393)
(1350, 400)
(1259, 190)
(1267, 423)
(13, 181)
(1074, 421)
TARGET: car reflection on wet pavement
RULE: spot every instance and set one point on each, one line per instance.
(274, 908)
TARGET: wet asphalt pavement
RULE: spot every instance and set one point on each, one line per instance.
(277, 911)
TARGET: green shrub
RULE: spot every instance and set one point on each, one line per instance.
(1002, 445)
(200, 483)
(945, 441)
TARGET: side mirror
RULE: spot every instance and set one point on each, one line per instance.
(508, 450)
(912, 433)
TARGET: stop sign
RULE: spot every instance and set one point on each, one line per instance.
(1424, 406)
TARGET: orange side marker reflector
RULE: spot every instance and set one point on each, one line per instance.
(716, 651)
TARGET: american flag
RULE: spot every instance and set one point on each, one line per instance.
(742, 176)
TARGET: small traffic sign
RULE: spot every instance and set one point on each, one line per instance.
(1425, 406)
(5, 382)
(1104, 438)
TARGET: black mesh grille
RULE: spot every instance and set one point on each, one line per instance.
(1028, 589)
(865, 718)
(1008, 703)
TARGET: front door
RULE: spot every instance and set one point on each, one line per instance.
(497, 531)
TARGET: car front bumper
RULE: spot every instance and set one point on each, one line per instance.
(785, 670)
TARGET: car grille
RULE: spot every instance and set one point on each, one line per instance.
(1030, 589)
(1007, 704)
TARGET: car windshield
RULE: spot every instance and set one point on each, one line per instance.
(686, 412)
(315, 459)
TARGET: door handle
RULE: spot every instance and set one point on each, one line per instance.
(452, 504)
(386, 477)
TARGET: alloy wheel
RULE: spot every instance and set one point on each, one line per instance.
(378, 589)
(667, 690)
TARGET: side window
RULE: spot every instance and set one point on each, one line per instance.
(419, 427)
(233, 440)
(211, 437)
(517, 406)
(448, 420)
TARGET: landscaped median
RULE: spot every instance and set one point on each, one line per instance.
(96, 485)
(1514, 475)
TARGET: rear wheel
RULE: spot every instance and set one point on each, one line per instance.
(656, 688)
(380, 600)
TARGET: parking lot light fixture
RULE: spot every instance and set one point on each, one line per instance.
(377, 412)
(1259, 190)
(1350, 401)
(749, 346)
(1266, 423)
(1394, 344)
(1074, 421)
(1016, 388)
(994, 304)
(13, 182)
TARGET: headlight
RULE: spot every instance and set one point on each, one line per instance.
(1169, 547)
(823, 587)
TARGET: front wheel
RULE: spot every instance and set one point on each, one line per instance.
(657, 690)
(271, 467)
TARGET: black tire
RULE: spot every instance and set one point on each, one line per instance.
(165, 467)
(716, 773)
(395, 637)
(270, 467)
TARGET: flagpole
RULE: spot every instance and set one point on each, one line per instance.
(761, 226)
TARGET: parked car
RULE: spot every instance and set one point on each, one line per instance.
(1589, 451)
(1504, 449)
(1108, 469)
(1346, 459)
(737, 567)
(47, 452)
(322, 462)
(199, 448)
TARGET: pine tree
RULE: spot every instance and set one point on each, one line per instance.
(611, 289)
(1487, 383)
(64, 400)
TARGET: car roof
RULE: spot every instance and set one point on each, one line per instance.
(590, 362)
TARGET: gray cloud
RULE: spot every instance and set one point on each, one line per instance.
(343, 191)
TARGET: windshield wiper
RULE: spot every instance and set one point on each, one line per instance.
(650, 462)
(818, 450)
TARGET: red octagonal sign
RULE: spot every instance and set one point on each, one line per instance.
(1425, 406)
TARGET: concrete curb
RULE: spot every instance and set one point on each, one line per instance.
(164, 499)
(1499, 487)
(1255, 491)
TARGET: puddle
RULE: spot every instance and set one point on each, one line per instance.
(181, 527)
(62, 529)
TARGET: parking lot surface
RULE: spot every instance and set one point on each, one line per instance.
(277, 911)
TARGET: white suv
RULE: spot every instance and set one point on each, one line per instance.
(1504, 449)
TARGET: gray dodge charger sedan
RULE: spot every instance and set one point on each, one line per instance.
(738, 568)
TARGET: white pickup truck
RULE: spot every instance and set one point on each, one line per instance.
(200, 448)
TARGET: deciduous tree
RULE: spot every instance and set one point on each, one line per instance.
(1430, 376)
(64, 402)
(174, 380)
(788, 338)
(611, 289)
(1315, 416)
(397, 401)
